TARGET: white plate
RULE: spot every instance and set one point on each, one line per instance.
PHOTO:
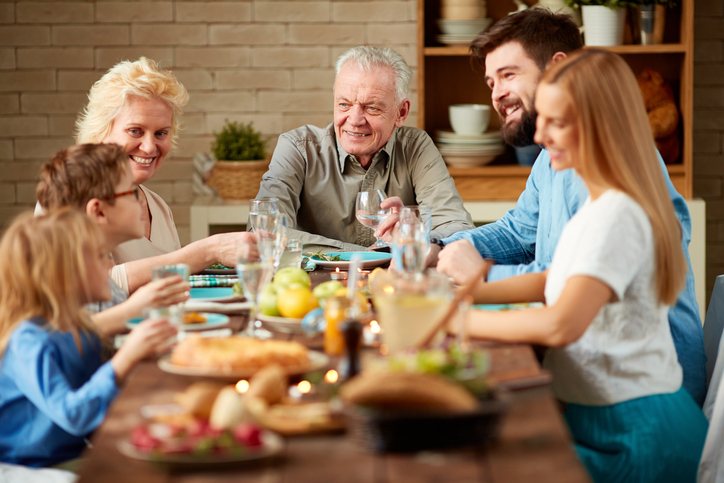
(317, 360)
(282, 324)
(369, 260)
(472, 150)
(272, 444)
(453, 136)
(212, 321)
(214, 294)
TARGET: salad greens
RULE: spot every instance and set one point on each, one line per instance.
(325, 258)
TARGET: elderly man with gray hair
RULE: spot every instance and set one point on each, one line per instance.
(316, 173)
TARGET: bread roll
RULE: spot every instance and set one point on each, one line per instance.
(269, 384)
(199, 397)
(404, 390)
(228, 409)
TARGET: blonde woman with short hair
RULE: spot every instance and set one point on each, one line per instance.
(138, 105)
(616, 269)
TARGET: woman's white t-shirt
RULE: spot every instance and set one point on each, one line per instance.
(627, 352)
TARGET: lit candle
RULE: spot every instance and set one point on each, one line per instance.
(337, 275)
(242, 386)
(371, 334)
(304, 387)
(331, 376)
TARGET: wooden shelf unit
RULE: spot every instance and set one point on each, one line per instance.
(446, 75)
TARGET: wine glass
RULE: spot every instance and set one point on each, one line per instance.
(421, 213)
(254, 275)
(271, 237)
(369, 213)
(410, 246)
(262, 206)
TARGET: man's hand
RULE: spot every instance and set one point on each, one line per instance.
(384, 231)
(461, 261)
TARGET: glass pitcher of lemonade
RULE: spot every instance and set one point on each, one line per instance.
(409, 307)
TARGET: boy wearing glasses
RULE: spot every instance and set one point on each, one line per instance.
(97, 179)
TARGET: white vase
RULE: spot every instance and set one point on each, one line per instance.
(603, 26)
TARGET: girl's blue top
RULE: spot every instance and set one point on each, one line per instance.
(51, 396)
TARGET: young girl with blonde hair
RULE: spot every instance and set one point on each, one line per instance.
(617, 266)
(55, 387)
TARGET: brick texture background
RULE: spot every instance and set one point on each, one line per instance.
(709, 127)
(268, 61)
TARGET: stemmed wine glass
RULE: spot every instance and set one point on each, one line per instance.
(369, 213)
(262, 206)
(271, 232)
(254, 275)
(410, 246)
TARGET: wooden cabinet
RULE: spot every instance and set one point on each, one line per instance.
(447, 75)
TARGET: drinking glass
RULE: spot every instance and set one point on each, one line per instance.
(408, 309)
(254, 275)
(292, 256)
(262, 206)
(271, 237)
(369, 213)
(410, 246)
(420, 213)
(174, 313)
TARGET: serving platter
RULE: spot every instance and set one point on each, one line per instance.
(213, 294)
(317, 360)
(282, 324)
(212, 321)
(367, 260)
(271, 444)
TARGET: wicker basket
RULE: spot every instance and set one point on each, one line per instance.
(238, 180)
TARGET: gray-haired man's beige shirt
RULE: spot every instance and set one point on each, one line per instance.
(317, 183)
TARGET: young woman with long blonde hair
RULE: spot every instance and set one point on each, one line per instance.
(617, 266)
(55, 387)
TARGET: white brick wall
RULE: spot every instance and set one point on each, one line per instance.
(266, 61)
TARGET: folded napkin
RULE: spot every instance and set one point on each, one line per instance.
(203, 306)
(196, 281)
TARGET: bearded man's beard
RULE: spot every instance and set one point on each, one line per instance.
(522, 133)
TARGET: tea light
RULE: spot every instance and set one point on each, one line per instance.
(331, 376)
(242, 386)
(371, 334)
(362, 276)
(337, 275)
(302, 389)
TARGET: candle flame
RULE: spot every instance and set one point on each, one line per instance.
(359, 270)
(331, 376)
(242, 386)
(374, 327)
(337, 270)
(304, 387)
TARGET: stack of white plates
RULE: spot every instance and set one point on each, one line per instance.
(457, 32)
(467, 151)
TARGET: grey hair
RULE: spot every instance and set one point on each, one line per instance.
(368, 57)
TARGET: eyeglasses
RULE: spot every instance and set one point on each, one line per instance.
(125, 193)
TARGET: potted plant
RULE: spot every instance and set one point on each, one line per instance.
(648, 20)
(240, 152)
(603, 20)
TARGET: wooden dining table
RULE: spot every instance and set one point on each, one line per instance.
(533, 443)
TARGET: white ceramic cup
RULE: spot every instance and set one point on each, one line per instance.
(469, 119)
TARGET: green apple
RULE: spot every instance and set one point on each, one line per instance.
(292, 275)
(326, 289)
(268, 300)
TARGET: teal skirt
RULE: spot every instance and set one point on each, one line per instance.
(650, 439)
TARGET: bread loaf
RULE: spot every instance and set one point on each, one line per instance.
(404, 390)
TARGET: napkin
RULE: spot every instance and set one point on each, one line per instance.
(196, 281)
(203, 306)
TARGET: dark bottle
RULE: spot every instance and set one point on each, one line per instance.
(352, 330)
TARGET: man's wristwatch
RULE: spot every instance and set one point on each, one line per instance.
(438, 242)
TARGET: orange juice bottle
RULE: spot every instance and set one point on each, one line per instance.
(334, 315)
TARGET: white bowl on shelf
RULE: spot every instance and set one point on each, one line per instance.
(463, 27)
(462, 161)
